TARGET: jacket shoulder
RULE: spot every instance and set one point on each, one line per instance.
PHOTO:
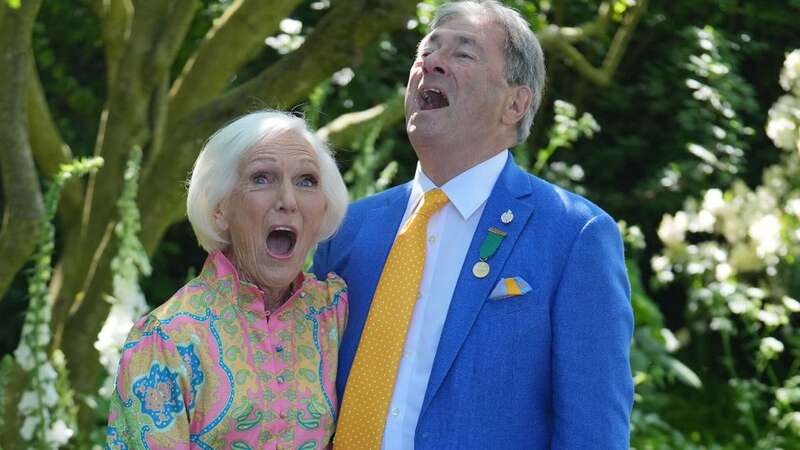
(566, 205)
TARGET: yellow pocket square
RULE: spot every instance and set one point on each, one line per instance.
(509, 287)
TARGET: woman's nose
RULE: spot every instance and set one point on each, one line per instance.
(287, 201)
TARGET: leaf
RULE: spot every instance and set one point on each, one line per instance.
(684, 374)
(14, 4)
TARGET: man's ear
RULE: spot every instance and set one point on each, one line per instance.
(219, 217)
(518, 103)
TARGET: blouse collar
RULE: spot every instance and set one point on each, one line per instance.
(219, 273)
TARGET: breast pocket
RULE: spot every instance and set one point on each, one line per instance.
(512, 305)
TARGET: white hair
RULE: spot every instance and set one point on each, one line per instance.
(216, 172)
(524, 60)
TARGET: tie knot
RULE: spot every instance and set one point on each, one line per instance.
(432, 201)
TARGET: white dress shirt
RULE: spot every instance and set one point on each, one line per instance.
(450, 233)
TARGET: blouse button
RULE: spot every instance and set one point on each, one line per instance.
(302, 295)
(280, 379)
(279, 349)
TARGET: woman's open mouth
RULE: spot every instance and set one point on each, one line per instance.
(281, 242)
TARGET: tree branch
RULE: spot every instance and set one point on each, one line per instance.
(344, 31)
(49, 149)
(21, 191)
(115, 17)
(602, 76)
(232, 41)
(336, 41)
(345, 129)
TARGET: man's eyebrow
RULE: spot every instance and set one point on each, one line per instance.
(435, 38)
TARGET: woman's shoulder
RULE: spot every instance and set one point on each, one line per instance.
(195, 300)
(329, 290)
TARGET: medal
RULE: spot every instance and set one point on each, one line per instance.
(491, 242)
(480, 269)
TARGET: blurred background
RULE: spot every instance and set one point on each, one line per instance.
(680, 118)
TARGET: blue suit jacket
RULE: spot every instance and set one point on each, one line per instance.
(545, 370)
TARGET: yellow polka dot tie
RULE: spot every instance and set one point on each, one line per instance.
(370, 385)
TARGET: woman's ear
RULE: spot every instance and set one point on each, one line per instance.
(519, 101)
(220, 218)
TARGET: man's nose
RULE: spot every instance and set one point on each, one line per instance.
(432, 62)
(287, 202)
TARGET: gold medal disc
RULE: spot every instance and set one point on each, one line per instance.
(480, 269)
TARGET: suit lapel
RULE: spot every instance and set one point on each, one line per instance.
(509, 193)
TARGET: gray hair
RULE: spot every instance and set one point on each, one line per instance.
(523, 54)
(217, 169)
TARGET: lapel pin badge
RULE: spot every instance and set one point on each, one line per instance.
(507, 217)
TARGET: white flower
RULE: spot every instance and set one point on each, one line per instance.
(24, 356)
(723, 272)
(284, 43)
(671, 343)
(291, 26)
(320, 5)
(59, 433)
(28, 426)
(739, 304)
(672, 230)
(343, 77)
(713, 201)
(793, 206)
(47, 372)
(791, 304)
(766, 232)
(782, 131)
(50, 395)
(695, 268)
(28, 402)
(769, 318)
(790, 75)
(770, 347)
(783, 122)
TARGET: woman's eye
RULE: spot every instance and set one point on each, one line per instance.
(308, 181)
(464, 56)
(262, 178)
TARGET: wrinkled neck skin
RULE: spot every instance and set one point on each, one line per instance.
(274, 297)
(441, 164)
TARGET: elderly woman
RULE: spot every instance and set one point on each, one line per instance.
(245, 355)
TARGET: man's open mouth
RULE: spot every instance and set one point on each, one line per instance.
(431, 98)
(281, 242)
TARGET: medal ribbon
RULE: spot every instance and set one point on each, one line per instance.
(491, 243)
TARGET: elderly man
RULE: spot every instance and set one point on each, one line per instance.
(489, 308)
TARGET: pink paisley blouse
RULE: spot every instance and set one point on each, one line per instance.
(212, 369)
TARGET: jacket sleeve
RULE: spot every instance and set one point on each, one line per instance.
(592, 330)
(320, 266)
(149, 405)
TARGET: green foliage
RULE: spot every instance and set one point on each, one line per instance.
(737, 250)
(361, 177)
(14, 4)
(49, 413)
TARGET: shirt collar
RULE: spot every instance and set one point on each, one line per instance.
(468, 190)
(219, 273)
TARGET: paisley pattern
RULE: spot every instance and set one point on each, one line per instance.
(211, 368)
(159, 395)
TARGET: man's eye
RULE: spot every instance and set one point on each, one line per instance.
(464, 56)
(308, 181)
